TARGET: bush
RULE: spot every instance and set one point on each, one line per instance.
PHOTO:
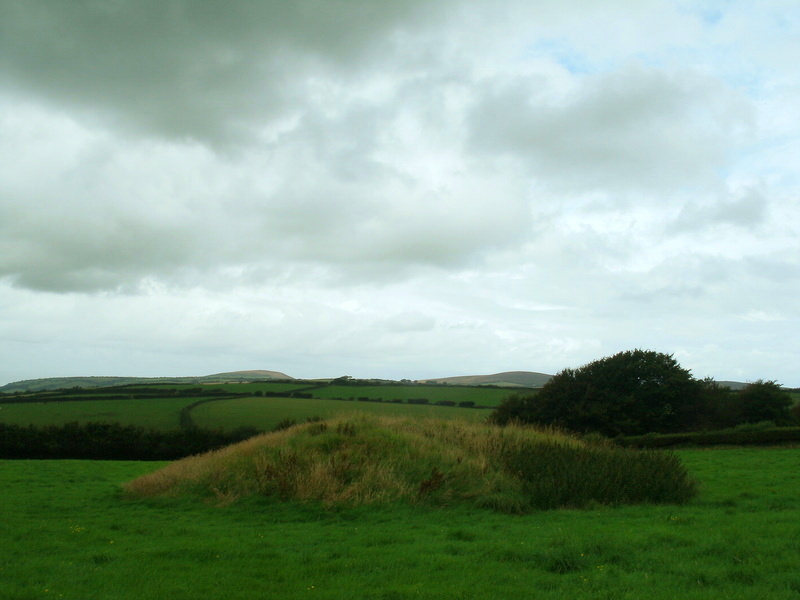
(559, 475)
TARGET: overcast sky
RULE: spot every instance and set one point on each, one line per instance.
(398, 188)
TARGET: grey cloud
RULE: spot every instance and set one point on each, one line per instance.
(75, 254)
(632, 129)
(208, 70)
(747, 212)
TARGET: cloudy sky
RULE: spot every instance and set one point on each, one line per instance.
(398, 188)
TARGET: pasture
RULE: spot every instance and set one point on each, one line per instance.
(152, 413)
(481, 396)
(68, 533)
(266, 413)
(161, 406)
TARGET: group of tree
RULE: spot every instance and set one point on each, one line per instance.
(642, 391)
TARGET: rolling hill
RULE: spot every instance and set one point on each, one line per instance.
(55, 383)
(527, 379)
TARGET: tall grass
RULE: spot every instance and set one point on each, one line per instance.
(362, 459)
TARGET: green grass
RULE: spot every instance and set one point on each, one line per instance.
(480, 395)
(266, 386)
(266, 413)
(154, 413)
(227, 413)
(68, 534)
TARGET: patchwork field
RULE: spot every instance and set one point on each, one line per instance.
(67, 533)
(483, 396)
(266, 413)
(261, 405)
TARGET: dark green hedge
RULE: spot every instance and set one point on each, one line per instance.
(765, 437)
(111, 441)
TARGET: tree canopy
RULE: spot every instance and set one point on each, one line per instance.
(630, 393)
(764, 401)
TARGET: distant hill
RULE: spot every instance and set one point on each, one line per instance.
(734, 385)
(55, 383)
(526, 379)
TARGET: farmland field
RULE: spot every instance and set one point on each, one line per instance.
(153, 413)
(71, 535)
(226, 413)
(249, 387)
(435, 393)
(266, 413)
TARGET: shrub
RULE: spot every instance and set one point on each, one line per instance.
(559, 475)
(285, 424)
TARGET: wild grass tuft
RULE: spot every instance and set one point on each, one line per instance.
(364, 459)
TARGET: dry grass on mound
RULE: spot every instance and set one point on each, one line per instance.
(363, 459)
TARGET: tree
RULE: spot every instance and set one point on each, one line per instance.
(630, 393)
(764, 401)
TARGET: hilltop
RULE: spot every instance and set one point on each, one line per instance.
(527, 379)
(56, 383)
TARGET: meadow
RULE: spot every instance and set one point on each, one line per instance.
(161, 407)
(152, 413)
(68, 532)
(481, 396)
(266, 413)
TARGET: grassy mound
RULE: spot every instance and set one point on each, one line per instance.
(364, 459)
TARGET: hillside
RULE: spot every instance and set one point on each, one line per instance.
(56, 383)
(508, 379)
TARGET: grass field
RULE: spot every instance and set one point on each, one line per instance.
(226, 413)
(479, 395)
(266, 413)
(266, 386)
(152, 413)
(66, 533)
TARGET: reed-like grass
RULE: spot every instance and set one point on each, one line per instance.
(362, 459)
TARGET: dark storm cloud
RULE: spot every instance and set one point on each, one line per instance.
(209, 70)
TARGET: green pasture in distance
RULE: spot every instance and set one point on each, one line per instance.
(72, 536)
(151, 413)
(482, 396)
(266, 413)
(266, 386)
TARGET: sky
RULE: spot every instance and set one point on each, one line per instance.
(398, 189)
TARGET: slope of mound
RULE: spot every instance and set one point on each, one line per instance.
(363, 459)
(508, 379)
